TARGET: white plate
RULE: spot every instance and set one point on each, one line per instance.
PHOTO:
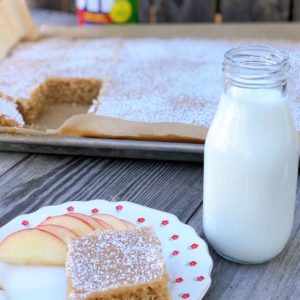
(188, 261)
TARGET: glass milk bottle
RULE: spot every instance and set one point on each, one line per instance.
(251, 159)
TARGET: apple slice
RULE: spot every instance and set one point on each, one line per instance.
(113, 221)
(78, 226)
(61, 232)
(33, 247)
(128, 224)
(94, 223)
(104, 224)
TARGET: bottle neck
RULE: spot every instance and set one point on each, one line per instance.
(229, 86)
(256, 67)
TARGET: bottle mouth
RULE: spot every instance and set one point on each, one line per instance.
(256, 66)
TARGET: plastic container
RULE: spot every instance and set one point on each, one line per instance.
(93, 12)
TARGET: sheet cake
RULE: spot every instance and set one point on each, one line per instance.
(125, 265)
(141, 80)
(162, 81)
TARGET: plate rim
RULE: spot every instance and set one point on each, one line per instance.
(70, 203)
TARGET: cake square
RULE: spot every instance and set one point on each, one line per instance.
(125, 264)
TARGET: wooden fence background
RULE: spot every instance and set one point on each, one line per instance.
(152, 11)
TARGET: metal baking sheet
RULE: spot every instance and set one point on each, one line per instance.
(51, 144)
(140, 149)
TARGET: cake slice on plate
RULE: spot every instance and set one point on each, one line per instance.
(125, 264)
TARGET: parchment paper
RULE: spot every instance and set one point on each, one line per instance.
(91, 125)
(16, 25)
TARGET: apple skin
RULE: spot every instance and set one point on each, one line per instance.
(77, 225)
(114, 222)
(61, 232)
(105, 225)
(94, 223)
(128, 224)
(33, 247)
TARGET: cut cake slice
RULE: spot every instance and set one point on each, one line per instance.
(55, 70)
(125, 265)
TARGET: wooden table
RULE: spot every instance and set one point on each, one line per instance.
(30, 181)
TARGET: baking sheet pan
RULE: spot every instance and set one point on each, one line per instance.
(52, 144)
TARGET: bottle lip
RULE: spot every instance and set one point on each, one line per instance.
(256, 65)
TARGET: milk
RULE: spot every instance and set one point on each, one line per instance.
(250, 175)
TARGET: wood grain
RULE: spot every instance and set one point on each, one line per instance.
(296, 10)
(10, 160)
(145, 10)
(53, 4)
(185, 10)
(255, 10)
(45, 180)
(40, 180)
(68, 5)
(278, 279)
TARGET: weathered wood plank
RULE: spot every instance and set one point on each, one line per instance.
(145, 10)
(255, 10)
(296, 10)
(60, 5)
(68, 5)
(54, 4)
(46, 180)
(185, 10)
(9, 160)
(277, 279)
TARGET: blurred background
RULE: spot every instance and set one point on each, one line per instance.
(159, 11)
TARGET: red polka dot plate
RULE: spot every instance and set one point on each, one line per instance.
(188, 261)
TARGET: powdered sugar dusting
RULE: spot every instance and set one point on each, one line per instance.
(31, 63)
(153, 80)
(165, 80)
(109, 260)
(178, 80)
(9, 111)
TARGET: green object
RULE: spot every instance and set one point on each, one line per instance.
(135, 9)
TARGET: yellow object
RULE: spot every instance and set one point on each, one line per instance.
(121, 11)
